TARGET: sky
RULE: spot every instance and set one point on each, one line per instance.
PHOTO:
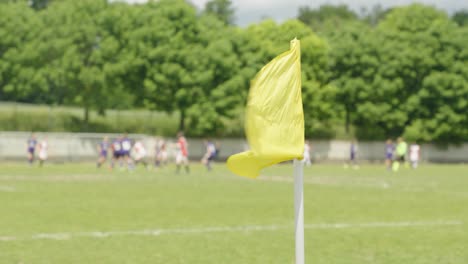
(251, 11)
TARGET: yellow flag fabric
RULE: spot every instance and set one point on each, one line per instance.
(274, 116)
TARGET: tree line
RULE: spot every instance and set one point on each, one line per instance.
(379, 73)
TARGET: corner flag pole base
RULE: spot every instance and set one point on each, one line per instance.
(299, 210)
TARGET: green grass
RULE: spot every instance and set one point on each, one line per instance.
(31, 117)
(28, 117)
(77, 198)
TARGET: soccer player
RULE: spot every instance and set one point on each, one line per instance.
(116, 152)
(210, 154)
(182, 153)
(161, 153)
(353, 152)
(32, 142)
(139, 153)
(307, 148)
(414, 154)
(43, 154)
(103, 147)
(389, 150)
(126, 148)
(401, 151)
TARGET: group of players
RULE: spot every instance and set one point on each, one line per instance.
(395, 154)
(41, 146)
(128, 153)
(399, 153)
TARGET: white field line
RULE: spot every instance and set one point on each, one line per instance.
(331, 182)
(226, 229)
(4, 188)
(366, 183)
(59, 178)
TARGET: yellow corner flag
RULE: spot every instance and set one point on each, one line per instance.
(274, 117)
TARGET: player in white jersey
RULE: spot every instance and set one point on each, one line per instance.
(43, 151)
(126, 148)
(307, 148)
(414, 154)
(139, 154)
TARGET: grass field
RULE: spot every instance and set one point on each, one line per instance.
(78, 214)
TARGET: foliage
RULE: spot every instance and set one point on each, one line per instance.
(326, 16)
(24, 117)
(221, 9)
(381, 73)
(461, 17)
(318, 95)
(405, 77)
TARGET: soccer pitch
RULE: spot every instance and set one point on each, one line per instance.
(78, 214)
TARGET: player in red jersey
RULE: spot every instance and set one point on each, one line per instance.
(182, 152)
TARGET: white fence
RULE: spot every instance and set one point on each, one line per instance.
(75, 147)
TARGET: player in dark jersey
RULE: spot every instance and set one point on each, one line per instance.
(32, 142)
(103, 147)
(353, 154)
(210, 154)
(389, 150)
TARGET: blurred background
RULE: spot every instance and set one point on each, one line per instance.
(77, 75)
(371, 70)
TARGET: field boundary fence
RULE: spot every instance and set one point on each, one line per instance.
(79, 147)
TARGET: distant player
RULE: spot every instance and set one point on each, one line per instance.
(103, 148)
(32, 142)
(43, 152)
(389, 150)
(307, 148)
(126, 148)
(414, 154)
(182, 153)
(353, 153)
(139, 154)
(116, 152)
(401, 151)
(161, 153)
(210, 154)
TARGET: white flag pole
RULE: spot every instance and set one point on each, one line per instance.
(299, 210)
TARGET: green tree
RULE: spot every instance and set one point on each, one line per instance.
(461, 17)
(35, 4)
(39, 4)
(222, 9)
(376, 14)
(318, 95)
(326, 16)
(388, 77)
(353, 66)
(174, 68)
(80, 57)
(195, 66)
(19, 30)
(412, 19)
